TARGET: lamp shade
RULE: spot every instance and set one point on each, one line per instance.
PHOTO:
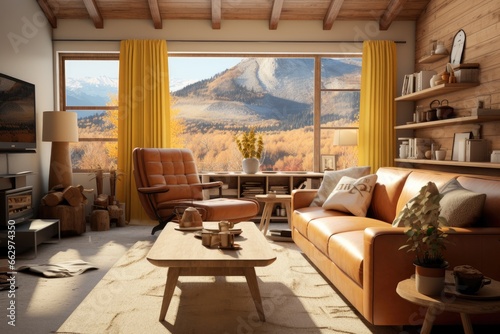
(60, 126)
(345, 137)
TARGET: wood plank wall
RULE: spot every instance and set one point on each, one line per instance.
(481, 22)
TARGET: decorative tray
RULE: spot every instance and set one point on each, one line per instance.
(191, 228)
(233, 247)
(235, 231)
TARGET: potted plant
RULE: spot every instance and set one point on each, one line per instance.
(250, 146)
(427, 238)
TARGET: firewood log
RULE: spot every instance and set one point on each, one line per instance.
(73, 195)
(53, 198)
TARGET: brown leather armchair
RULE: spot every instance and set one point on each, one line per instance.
(167, 178)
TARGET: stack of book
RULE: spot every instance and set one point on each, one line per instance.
(416, 82)
(467, 72)
(279, 190)
(417, 147)
(485, 112)
(252, 188)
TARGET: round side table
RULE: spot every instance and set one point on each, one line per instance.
(270, 201)
(448, 302)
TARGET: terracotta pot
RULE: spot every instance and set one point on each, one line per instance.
(430, 280)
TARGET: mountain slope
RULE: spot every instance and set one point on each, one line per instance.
(272, 93)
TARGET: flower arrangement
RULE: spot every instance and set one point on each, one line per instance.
(250, 144)
(424, 227)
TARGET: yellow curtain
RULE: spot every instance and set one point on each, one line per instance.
(144, 112)
(377, 106)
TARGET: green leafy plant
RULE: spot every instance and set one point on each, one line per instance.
(250, 144)
(424, 227)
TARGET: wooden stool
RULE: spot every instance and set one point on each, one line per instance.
(116, 213)
(99, 220)
(270, 201)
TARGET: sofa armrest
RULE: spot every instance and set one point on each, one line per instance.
(384, 265)
(301, 198)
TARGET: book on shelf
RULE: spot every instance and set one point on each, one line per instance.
(485, 112)
(423, 80)
(418, 146)
(279, 190)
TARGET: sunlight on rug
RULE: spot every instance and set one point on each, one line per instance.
(295, 297)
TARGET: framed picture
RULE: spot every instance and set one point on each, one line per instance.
(328, 162)
(459, 137)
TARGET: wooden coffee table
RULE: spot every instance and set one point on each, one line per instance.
(184, 255)
(487, 302)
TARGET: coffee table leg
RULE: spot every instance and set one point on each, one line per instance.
(466, 323)
(254, 291)
(430, 316)
(172, 277)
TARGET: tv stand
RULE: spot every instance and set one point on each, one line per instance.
(30, 234)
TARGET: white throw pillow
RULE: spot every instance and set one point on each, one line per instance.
(460, 207)
(352, 195)
(331, 178)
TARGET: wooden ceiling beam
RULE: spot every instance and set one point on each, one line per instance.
(94, 13)
(390, 13)
(332, 13)
(275, 14)
(216, 14)
(155, 14)
(49, 14)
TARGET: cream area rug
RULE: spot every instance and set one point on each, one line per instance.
(295, 297)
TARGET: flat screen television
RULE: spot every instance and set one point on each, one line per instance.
(17, 115)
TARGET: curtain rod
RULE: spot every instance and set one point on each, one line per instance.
(217, 41)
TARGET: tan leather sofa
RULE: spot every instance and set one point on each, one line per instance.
(360, 256)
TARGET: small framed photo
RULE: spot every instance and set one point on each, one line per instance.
(459, 137)
(328, 162)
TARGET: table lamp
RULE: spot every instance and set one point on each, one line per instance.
(60, 128)
(345, 137)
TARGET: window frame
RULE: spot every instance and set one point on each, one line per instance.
(317, 58)
(63, 57)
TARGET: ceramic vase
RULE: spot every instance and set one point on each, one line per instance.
(429, 281)
(251, 165)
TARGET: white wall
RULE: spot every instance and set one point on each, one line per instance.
(26, 54)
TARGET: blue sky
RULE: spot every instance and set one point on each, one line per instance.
(180, 68)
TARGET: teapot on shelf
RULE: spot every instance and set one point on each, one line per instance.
(442, 111)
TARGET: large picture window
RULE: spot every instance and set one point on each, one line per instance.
(89, 87)
(214, 99)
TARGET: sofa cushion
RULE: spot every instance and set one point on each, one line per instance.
(301, 217)
(319, 231)
(330, 180)
(460, 207)
(416, 180)
(489, 186)
(352, 195)
(390, 182)
(346, 250)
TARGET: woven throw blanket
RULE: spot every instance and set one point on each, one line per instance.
(63, 269)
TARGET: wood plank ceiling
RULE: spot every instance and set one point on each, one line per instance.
(273, 11)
